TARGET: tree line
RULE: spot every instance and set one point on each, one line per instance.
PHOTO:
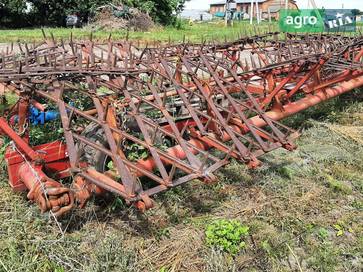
(32, 13)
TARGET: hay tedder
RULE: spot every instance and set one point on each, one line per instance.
(137, 121)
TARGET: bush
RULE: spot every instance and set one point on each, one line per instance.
(227, 235)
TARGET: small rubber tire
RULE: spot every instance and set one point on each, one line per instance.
(93, 157)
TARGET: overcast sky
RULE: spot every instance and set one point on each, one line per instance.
(332, 4)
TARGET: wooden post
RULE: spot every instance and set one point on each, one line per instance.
(251, 13)
(258, 12)
(226, 14)
(269, 14)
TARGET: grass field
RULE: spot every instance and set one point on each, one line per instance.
(196, 32)
(213, 31)
(304, 210)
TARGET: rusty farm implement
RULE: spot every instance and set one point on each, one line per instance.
(138, 121)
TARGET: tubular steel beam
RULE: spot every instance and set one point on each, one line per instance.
(287, 111)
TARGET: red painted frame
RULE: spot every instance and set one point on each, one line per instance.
(53, 154)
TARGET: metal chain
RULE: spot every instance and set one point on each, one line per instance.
(124, 127)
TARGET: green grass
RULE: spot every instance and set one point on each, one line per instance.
(210, 31)
(195, 33)
(303, 210)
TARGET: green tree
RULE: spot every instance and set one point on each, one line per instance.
(12, 13)
(54, 12)
(356, 12)
(22, 13)
(162, 11)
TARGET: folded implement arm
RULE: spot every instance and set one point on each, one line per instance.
(137, 122)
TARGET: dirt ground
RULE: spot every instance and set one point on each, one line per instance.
(304, 210)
